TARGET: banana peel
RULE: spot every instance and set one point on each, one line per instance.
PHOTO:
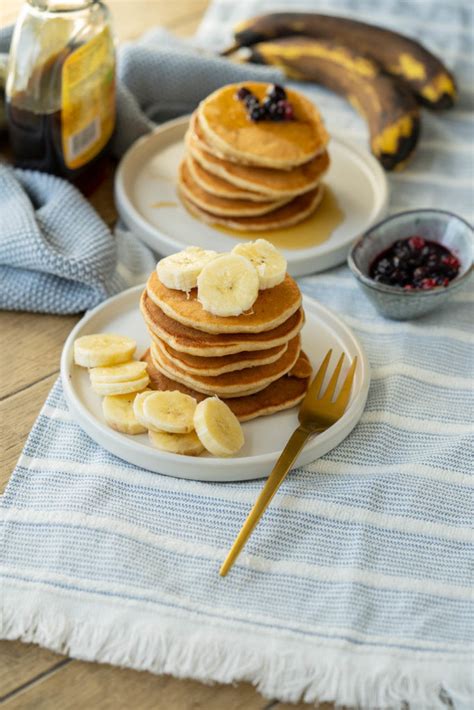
(398, 55)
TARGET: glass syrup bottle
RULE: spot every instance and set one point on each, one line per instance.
(60, 89)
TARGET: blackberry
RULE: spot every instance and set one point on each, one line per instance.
(257, 113)
(276, 92)
(242, 93)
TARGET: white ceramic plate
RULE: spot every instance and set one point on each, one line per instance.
(264, 437)
(145, 194)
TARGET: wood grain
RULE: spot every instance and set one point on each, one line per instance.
(81, 686)
(32, 677)
(20, 662)
(31, 348)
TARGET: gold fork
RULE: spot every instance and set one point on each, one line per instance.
(316, 414)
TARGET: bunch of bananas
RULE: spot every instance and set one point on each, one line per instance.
(385, 75)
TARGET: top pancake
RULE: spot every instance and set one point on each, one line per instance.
(275, 144)
(272, 307)
(267, 181)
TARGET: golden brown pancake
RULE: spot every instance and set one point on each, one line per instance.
(272, 307)
(212, 366)
(302, 368)
(281, 394)
(221, 205)
(231, 384)
(218, 186)
(293, 212)
(196, 342)
(267, 181)
(284, 144)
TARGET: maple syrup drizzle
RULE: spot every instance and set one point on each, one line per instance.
(314, 230)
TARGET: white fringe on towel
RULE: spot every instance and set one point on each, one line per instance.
(108, 632)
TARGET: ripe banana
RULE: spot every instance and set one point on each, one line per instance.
(126, 387)
(132, 370)
(228, 285)
(269, 262)
(186, 444)
(102, 350)
(119, 415)
(180, 271)
(389, 108)
(426, 76)
(138, 409)
(217, 427)
(172, 412)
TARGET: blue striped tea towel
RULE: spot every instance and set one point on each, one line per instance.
(357, 584)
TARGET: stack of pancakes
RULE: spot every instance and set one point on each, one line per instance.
(253, 362)
(248, 175)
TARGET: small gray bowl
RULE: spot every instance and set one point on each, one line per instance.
(435, 225)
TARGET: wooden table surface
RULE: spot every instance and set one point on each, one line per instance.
(32, 677)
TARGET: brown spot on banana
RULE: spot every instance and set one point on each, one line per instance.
(389, 109)
(425, 74)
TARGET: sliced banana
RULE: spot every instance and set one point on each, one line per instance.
(138, 408)
(119, 415)
(103, 349)
(180, 271)
(217, 427)
(228, 285)
(121, 387)
(270, 263)
(170, 411)
(132, 370)
(186, 444)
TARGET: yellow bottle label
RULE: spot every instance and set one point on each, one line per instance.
(87, 100)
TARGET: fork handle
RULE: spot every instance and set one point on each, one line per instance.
(287, 458)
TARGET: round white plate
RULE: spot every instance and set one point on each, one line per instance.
(145, 195)
(264, 437)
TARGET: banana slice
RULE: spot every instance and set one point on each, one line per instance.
(119, 415)
(132, 370)
(103, 349)
(186, 444)
(138, 409)
(180, 271)
(269, 262)
(228, 285)
(217, 427)
(121, 387)
(169, 411)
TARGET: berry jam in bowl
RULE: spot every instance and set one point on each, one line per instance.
(412, 262)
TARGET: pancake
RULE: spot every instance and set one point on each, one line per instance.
(267, 181)
(219, 186)
(302, 368)
(293, 212)
(272, 307)
(196, 342)
(281, 394)
(230, 384)
(220, 205)
(274, 144)
(212, 366)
